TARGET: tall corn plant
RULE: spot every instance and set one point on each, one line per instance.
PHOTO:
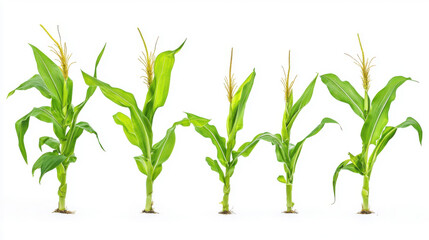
(138, 126)
(54, 83)
(286, 152)
(375, 132)
(226, 156)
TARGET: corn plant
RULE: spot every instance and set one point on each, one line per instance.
(286, 152)
(375, 133)
(138, 126)
(54, 83)
(225, 154)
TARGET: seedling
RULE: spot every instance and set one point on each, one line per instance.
(375, 133)
(138, 126)
(225, 154)
(286, 152)
(54, 83)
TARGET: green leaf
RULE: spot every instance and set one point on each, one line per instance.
(51, 75)
(51, 142)
(214, 165)
(388, 134)
(343, 91)
(236, 112)
(47, 162)
(281, 179)
(296, 150)
(378, 115)
(300, 104)
(37, 82)
(337, 172)
(43, 114)
(141, 125)
(156, 172)
(247, 147)
(158, 90)
(85, 126)
(162, 150)
(72, 135)
(210, 131)
(142, 164)
(125, 122)
(98, 60)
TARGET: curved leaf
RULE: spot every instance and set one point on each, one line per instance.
(296, 150)
(85, 126)
(51, 142)
(378, 115)
(281, 179)
(43, 114)
(141, 125)
(125, 122)
(158, 90)
(388, 134)
(343, 91)
(47, 162)
(142, 164)
(344, 165)
(210, 131)
(248, 147)
(214, 165)
(162, 150)
(37, 82)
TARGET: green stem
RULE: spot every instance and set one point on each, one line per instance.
(365, 193)
(149, 190)
(225, 200)
(289, 203)
(62, 190)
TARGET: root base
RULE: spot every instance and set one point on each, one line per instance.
(63, 211)
(149, 212)
(225, 212)
(365, 212)
(291, 212)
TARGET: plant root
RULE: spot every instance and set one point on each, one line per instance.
(63, 211)
(291, 211)
(149, 212)
(365, 212)
(225, 212)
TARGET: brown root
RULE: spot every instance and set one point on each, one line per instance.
(150, 211)
(63, 211)
(225, 212)
(291, 211)
(365, 212)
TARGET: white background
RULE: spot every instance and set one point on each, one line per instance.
(108, 192)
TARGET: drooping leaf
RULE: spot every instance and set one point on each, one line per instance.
(343, 91)
(44, 114)
(47, 162)
(37, 82)
(141, 125)
(210, 131)
(214, 165)
(337, 172)
(158, 91)
(85, 126)
(236, 112)
(247, 147)
(388, 134)
(51, 142)
(378, 115)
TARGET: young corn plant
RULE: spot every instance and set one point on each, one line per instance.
(54, 83)
(138, 126)
(375, 132)
(226, 156)
(286, 152)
